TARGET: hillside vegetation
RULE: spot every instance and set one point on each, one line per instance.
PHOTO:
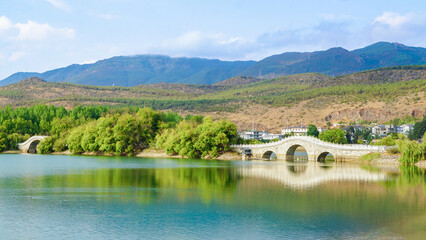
(394, 91)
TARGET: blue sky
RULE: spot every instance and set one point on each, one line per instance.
(39, 35)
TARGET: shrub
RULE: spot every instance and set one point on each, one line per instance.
(46, 146)
(411, 151)
(393, 150)
(387, 141)
(334, 136)
(60, 145)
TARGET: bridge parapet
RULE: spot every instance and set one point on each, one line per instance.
(314, 140)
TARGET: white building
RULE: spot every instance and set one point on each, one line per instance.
(405, 128)
(259, 135)
(270, 136)
(383, 130)
(247, 135)
(321, 129)
(378, 130)
(298, 131)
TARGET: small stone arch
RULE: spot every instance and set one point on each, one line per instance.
(290, 152)
(33, 146)
(30, 146)
(269, 155)
(322, 157)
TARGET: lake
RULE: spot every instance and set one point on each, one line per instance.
(82, 197)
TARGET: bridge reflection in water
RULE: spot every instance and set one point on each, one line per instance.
(309, 174)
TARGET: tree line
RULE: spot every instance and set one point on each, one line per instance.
(118, 131)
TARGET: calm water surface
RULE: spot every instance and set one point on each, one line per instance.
(76, 197)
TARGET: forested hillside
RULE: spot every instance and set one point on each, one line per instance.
(141, 69)
(380, 95)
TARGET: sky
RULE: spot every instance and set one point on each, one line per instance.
(40, 35)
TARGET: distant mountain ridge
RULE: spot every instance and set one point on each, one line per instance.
(141, 69)
(152, 69)
(339, 61)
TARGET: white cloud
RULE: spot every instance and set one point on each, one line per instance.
(88, 61)
(5, 24)
(392, 19)
(332, 31)
(210, 45)
(61, 4)
(395, 27)
(41, 31)
(32, 30)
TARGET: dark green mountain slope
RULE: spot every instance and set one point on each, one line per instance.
(142, 69)
(339, 61)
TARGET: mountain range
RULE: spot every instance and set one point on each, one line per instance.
(151, 69)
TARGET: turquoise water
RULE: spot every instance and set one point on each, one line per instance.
(77, 197)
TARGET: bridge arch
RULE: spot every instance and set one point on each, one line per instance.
(269, 155)
(33, 146)
(289, 156)
(324, 156)
(30, 146)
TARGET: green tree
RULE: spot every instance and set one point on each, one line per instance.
(419, 129)
(349, 134)
(74, 139)
(424, 145)
(334, 136)
(46, 146)
(411, 151)
(191, 139)
(366, 135)
(312, 131)
(387, 141)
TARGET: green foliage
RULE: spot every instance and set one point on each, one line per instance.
(366, 135)
(387, 141)
(194, 140)
(119, 134)
(170, 119)
(74, 139)
(312, 131)
(370, 157)
(419, 129)
(46, 146)
(393, 150)
(20, 123)
(411, 151)
(60, 145)
(14, 138)
(408, 119)
(424, 144)
(334, 136)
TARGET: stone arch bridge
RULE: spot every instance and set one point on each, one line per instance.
(316, 149)
(30, 146)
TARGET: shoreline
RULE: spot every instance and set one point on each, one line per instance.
(231, 156)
